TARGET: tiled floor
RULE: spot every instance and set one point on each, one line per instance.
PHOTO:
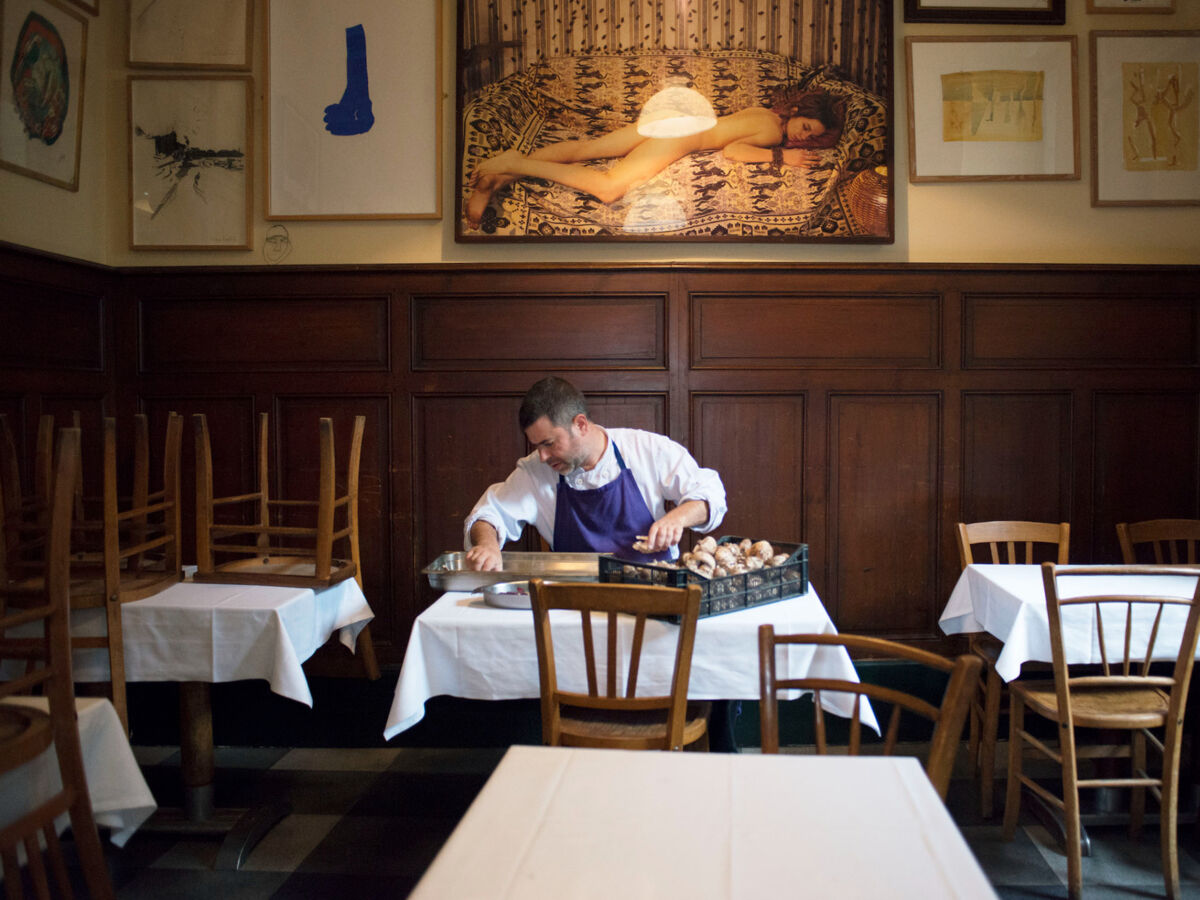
(365, 823)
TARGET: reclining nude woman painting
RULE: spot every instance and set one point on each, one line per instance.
(549, 148)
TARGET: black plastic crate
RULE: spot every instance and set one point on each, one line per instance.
(727, 593)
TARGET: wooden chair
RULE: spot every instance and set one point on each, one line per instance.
(1170, 541)
(26, 732)
(1124, 694)
(947, 717)
(23, 512)
(250, 550)
(606, 717)
(1007, 542)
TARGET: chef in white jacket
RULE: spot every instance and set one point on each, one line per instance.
(592, 489)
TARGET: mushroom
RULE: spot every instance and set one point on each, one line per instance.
(762, 549)
(704, 557)
(707, 543)
(725, 555)
(704, 570)
(780, 558)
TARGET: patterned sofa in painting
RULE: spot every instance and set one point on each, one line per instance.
(703, 195)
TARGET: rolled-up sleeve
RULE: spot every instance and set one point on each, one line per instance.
(677, 476)
(507, 506)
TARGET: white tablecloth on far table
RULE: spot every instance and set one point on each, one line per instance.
(462, 647)
(227, 632)
(557, 822)
(121, 799)
(1009, 602)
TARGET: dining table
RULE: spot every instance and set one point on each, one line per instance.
(462, 647)
(561, 822)
(200, 634)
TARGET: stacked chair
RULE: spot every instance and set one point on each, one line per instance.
(1172, 542)
(26, 732)
(612, 713)
(1000, 542)
(947, 716)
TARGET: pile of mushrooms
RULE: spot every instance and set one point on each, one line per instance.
(712, 560)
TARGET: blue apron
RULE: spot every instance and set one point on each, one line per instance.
(606, 519)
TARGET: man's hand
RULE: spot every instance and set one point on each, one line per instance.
(668, 531)
(484, 555)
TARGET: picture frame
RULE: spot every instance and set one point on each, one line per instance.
(191, 159)
(987, 12)
(91, 8)
(44, 48)
(992, 108)
(182, 34)
(372, 148)
(553, 80)
(1121, 7)
(1145, 131)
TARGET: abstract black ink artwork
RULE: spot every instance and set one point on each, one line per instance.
(41, 82)
(178, 161)
(352, 114)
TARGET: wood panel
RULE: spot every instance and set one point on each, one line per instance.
(884, 462)
(800, 331)
(555, 331)
(50, 327)
(263, 334)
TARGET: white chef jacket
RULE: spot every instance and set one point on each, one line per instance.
(663, 469)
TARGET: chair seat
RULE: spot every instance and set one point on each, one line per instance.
(24, 733)
(1099, 708)
(293, 571)
(635, 730)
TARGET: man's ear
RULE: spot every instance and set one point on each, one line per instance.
(582, 422)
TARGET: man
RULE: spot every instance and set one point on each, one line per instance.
(592, 489)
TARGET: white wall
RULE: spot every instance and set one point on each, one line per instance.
(996, 222)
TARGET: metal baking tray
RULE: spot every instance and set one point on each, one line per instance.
(449, 571)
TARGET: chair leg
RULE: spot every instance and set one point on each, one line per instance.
(974, 726)
(1137, 798)
(1168, 824)
(1016, 754)
(1074, 829)
(987, 743)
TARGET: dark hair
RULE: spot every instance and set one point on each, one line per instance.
(556, 399)
(821, 105)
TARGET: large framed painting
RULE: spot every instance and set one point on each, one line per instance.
(1145, 122)
(654, 120)
(44, 49)
(190, 162)
(987, 12)
(354, 109)
(184, 34)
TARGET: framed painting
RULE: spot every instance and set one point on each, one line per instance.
(992, 108)
(987, 12)
(44, 49)
(190, 162)
(354, 109)
(653, 120)
(183, 34)
(1130, 6)
(1145, 124)
(93, 8)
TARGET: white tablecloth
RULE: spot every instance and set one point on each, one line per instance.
(1009, 602)
(227, 632)
(462, 647)
(121, 799)
(555, 822)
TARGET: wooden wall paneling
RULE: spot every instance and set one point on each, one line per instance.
(1146, 447)
(546, 331)
(816, 330)
(295, 466)
(51, 327)
(884, 474)
(756, 443)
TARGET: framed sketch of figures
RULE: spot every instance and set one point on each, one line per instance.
(43, 47)
(174, 34)
(190, 161)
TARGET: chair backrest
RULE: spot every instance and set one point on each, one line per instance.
(947, 716)
(604, 604)
(28, 732)
(1170, 541)
(1131, 629)
(1014, 541)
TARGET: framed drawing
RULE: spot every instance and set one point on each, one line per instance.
(190, 162)
(1130, 6)
(1145, 124)
(566, 124)
(91, 7)
(992, 108)
(354, 109)
(987, 12)
(44, 49)
(183, 34)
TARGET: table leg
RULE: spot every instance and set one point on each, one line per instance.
(241, 828)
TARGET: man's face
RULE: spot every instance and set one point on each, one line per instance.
(558, 447)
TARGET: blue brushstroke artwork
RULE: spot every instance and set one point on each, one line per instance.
(352, 114)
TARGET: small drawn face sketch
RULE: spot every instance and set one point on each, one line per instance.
(277, 245)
